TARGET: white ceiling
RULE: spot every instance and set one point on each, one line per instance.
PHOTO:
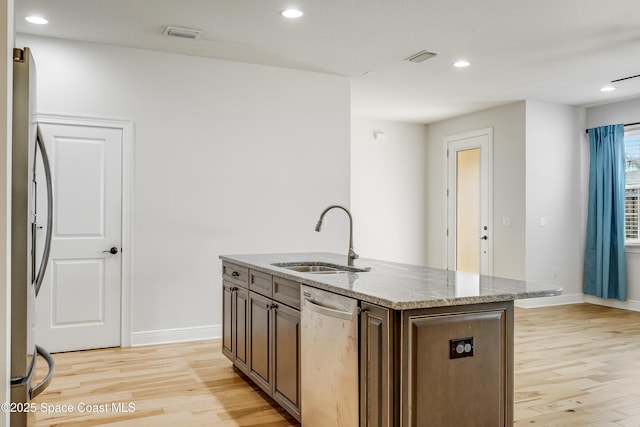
(560, 51)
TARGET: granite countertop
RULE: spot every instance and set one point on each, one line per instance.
(398, 286)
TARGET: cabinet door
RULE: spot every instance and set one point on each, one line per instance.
(375, 367)
(260, 341)
(235, 332)
(456, 369)
(228, 345)
(241, 329)
(286, 357)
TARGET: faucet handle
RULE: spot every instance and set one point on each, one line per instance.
(353, 254)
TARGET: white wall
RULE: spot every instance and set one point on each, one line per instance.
(621, 112)
(556, 191)
(6, 89)
(508, 123)
(388, 184)
(618, 112)
(229, 158)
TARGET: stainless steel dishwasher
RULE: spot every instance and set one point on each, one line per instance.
(329, 359)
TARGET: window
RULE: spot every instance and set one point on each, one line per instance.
(632, 194)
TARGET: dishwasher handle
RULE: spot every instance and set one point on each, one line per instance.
(331, 312)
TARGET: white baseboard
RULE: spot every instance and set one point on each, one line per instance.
(550, 301)
(631, 305)
(167, 336)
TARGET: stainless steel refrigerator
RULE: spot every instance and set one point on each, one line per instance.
(31, 227)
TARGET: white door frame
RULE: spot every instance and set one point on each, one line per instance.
(449, 194)
(126, 126)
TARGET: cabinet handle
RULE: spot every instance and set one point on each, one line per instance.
(274, 306)
(235, 274)
(233, 289)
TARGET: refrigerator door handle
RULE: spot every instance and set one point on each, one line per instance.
(47, 242)
(42, 385)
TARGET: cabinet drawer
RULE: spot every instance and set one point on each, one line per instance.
(286, 291)
(235, 273)
(260, 282)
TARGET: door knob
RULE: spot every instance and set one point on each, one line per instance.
(112, 251)
(484, 238)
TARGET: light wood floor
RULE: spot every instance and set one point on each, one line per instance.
(575, 365)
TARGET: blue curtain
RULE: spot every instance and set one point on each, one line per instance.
(605, 268)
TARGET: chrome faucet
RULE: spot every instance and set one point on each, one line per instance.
(352, 254)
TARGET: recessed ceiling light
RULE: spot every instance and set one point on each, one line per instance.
(39, 20)
(607, 89)
(291, 13)
(461, 63)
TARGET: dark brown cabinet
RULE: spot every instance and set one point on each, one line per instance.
(440, 366)
(376, 366)
(261, 333)
(436, 367)
(235, 337)
(228, 345)
(241, 329)
(260, 348)
(458, 369)
(286, 358)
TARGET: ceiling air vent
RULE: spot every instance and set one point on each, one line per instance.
(183, 33)
(420, 56)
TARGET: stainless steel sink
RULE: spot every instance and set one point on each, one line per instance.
(313, 269)
(318, 267)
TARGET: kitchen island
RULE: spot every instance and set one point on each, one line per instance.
(435, 346)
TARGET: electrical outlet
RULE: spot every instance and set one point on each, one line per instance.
(461, 347)
(543, 222)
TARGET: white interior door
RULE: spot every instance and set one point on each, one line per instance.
(468, 194)
(79, 306)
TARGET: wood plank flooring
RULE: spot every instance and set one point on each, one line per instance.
(576, 365)
(188, 384)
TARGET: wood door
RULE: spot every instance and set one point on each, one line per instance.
(376, 367)
(228, 324)
(79, 306)
(286, 358)
(241, 329)
(444, 385)
(260, 340)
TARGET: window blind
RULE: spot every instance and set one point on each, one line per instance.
(632, 185)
